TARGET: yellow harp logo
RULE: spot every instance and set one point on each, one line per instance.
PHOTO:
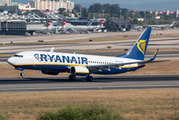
(141, 45)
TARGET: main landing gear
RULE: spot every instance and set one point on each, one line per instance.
(89, 78)
(72, 77)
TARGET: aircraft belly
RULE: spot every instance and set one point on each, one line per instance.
(45, 67)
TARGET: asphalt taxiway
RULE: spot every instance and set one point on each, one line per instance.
(29, 84)
(65, 37)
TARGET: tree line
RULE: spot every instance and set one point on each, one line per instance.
(111, 10)
(108, 11)
(114, 11)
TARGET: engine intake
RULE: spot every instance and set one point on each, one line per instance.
(79, 70)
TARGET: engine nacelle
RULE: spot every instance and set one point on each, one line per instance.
(49, 72)
(79, 70)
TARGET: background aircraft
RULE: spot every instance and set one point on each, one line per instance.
(98, 27)
(77, 29)
(50, 28)
(53, 63)
(163, 25)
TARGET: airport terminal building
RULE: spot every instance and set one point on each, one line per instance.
(117, 25)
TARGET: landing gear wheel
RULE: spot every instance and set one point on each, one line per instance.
(72, 77)
(89, 78)
(22, 74)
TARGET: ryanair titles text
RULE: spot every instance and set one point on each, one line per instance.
(61, 59)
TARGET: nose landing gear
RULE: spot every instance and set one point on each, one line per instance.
(21, 69)
(22, 74)
(89, 77)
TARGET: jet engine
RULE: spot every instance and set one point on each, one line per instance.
(79, 70)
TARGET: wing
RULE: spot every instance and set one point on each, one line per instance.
(117, 66)
(120, 65)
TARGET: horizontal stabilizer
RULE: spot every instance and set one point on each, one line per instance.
(52, 49)
(121, 55)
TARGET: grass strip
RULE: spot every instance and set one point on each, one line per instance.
(144, 104)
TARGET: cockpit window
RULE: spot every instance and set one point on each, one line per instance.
(18, 55)
(15, 55)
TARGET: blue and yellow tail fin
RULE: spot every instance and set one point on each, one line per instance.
(138, 50)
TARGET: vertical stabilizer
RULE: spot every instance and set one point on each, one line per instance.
(138, 50)
(89, 23)
(64, 23)
(48, 23)
(102, 23)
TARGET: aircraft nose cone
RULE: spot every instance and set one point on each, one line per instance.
(10, 61)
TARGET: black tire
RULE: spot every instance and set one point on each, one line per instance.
(89, 78)
(22, 74)
(72, 77)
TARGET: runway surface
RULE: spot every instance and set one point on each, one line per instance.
(28, 84)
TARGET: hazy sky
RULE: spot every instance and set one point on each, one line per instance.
(132, 2)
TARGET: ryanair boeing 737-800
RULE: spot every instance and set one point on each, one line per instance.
(53, 63)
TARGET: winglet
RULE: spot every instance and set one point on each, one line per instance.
(154, 56)
(52, 49)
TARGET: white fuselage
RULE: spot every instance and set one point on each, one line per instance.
(53, 28)
(38, 60)
(96, 27)
(78, 28)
